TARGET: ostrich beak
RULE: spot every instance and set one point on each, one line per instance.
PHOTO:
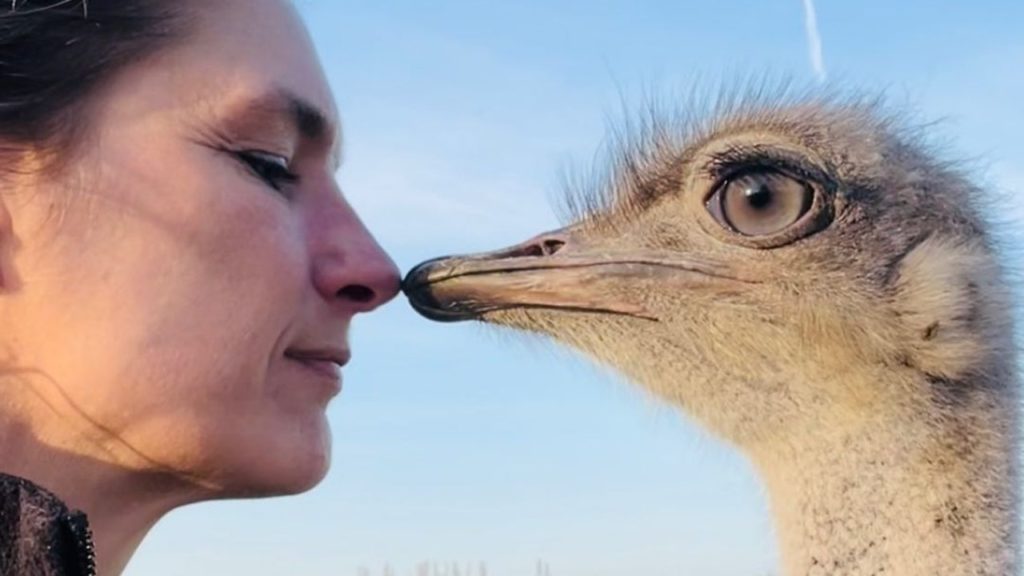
(553, 270)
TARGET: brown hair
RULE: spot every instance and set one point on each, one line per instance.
(55, 53)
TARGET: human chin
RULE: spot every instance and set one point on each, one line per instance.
(308, 457)
(268, 440)
(287, 455)
(298, 440)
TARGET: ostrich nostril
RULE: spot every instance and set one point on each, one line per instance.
(537, 247)
(542, 247)
(533, 250)
(551, 245)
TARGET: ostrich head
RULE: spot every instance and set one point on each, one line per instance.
(768, 269)
(811, 284)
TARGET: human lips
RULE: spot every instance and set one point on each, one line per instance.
(325, 362)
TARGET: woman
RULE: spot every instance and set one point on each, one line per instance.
(178, 269)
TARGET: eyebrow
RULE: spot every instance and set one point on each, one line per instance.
(305, 118)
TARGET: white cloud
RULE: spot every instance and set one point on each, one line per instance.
(814, 40)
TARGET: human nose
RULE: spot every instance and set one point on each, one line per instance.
(349, 266)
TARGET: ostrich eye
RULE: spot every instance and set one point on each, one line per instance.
(760, 203)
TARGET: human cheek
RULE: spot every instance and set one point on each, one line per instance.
(236, 282)
(263, 272)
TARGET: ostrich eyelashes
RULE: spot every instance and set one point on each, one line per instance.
(760, 203)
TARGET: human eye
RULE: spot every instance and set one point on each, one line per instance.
(270, 168)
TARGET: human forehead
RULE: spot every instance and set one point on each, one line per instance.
(256, 56)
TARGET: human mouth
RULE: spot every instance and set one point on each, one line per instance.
(326, 363)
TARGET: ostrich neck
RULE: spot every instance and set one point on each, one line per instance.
(914, 492)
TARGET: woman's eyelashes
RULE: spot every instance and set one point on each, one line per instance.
(272, 169)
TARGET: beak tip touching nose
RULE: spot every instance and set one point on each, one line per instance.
(418, 276)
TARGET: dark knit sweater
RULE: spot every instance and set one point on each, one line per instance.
(40, 535)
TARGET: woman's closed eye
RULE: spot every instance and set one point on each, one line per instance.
(270, 168)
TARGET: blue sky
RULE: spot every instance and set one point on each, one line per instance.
(460, 443)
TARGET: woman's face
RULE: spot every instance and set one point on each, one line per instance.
(182, 311)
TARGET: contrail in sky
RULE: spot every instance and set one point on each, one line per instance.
(814, 40)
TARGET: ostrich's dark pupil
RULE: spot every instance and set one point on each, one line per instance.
(759, 195)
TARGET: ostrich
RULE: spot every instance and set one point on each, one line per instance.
(802, 277)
